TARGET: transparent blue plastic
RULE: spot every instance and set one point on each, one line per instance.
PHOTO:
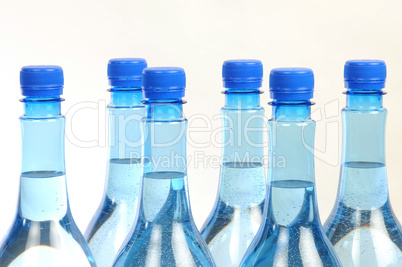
(164, 233)
(118, 209)
(237, 214)
(44, 233)
(362, 226)
(291, 233)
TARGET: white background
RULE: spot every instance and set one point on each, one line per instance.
(82, 36)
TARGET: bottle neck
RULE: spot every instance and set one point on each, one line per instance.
(125, 113)
(43, 191)
(243, 123)
(43, 129)
(164, 194)
(363, 151)
(364, 100)
(125, 145)
(291, 110)
(164, 132)
(243, 99)
(364, 121)
(292, 197)
(128, 97)
(291, 142)
(42, 107)
(164, 111)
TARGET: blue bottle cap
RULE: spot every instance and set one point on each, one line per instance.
(366, 74)
(163, 82)
(126, 72)
(42, 81)
(242, 74)
(291, 84)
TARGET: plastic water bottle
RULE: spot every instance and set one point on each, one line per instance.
(165, 233)
(44, 233)
(238, 210)
(118, 209)
(362, 226)
(291, 233)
